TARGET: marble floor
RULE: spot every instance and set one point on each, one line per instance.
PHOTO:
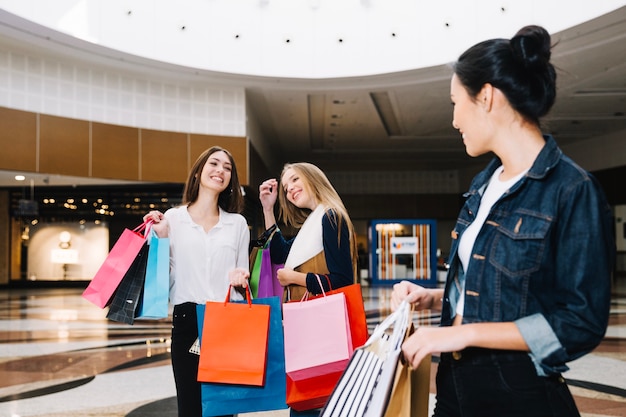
(61, 357)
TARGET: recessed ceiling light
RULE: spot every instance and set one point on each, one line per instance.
(20, 177)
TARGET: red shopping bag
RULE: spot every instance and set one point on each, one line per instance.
(233, 348)
(317, 336)
(103, 285)
(311, 393)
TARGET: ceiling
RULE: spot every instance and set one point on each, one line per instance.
(398, 121)
(403, 120)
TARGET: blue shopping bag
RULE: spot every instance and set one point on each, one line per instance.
(155, 299)
(221, 399)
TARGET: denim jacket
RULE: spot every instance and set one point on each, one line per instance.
(543, 259)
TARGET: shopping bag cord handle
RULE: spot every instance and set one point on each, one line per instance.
(305, 297)
(145, 225)
(247, 295)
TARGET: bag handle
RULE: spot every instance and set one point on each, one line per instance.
(248, 296)
(305, 297)
(398, 319)
(143, 227)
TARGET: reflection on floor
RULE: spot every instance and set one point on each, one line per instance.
(60, 356)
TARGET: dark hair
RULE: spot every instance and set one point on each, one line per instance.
(519, 67)
(231, 199)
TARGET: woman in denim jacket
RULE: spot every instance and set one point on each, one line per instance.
(532, 251)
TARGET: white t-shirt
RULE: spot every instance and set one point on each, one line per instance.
(200, 261)
(495, 189)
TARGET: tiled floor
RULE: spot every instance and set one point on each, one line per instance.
(60, 356)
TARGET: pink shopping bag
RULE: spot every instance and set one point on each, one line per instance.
(317, 336)
(103, 285)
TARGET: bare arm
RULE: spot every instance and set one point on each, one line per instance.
(428, 340)
(268, 192)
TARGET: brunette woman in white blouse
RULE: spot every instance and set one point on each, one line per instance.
(208, 253)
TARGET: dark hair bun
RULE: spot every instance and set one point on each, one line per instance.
(531, 47)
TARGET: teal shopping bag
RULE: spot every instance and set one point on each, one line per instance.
(223, 399)
(155, 299)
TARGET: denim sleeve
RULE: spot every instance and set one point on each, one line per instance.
(542, 342)
(584, 254)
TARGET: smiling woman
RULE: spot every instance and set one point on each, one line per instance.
(323, 253)
(208, 254)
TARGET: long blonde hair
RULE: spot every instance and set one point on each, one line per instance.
(319, 187)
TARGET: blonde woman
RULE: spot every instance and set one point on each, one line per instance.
(325, 244)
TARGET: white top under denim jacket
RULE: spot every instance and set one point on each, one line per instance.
(493, 192)
(200, 261)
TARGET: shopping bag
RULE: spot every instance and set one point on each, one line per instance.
(311, 393)
(410, 392)
(155, 298)
(268, 285)
(356, 312)
(222, 399)
(108, 277)
(233, 347)
(255, 270)
(366, 384)
(128, 294)
(317, 336)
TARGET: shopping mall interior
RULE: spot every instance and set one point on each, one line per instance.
(105, 106)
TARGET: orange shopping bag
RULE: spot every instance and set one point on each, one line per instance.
(233, 348)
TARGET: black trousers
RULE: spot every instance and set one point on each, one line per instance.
(494, 383)
(184, 363)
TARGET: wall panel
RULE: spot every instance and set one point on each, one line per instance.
(64, 146)
(18, 139)
(61, 146)
(163, 156)
(115, 152)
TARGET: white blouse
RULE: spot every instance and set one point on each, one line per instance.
(200, 261)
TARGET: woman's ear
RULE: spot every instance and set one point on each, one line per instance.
(486, 96)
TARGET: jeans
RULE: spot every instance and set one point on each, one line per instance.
(491, 383)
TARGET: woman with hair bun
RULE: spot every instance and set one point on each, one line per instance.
(532, 253)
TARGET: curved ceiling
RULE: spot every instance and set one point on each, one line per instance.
(390, 121)
(299, 39)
